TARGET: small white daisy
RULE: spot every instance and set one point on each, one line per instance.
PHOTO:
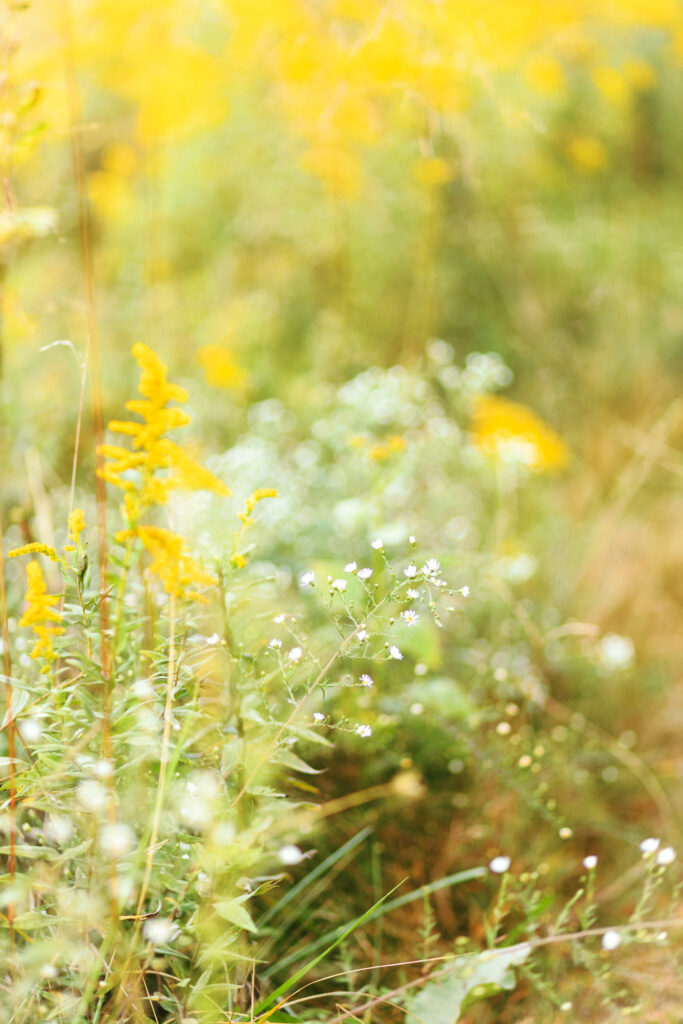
(499, 865)
(350, 567)
(395, 653)
(364, 574)
(318, 716)
(160, 930)
(411, 540)
(590, 862)
(649, 846)
(410, 617)
(377, 545)
(212, 640)
(295, 654)
(411, 572)
(431, 567)
(412, 594)
(289, 854)
(307, 579)
(363, 730)
(611, 939)
(666, 856)
(464, 591)
(274, 644)
(362, 634)
(367, 680)
(339, 585)
(279, 618)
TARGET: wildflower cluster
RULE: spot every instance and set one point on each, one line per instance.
(152, 468)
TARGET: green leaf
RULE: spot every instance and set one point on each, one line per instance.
(289, 759)
(235, 913)
(441, 1000)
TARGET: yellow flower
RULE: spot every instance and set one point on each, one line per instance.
(506, 429)
(393, 444)
(136, 470)
(221, 368)
(40, 612)
(587, 154)
(76, 525)
(252, 502)
(35, 548)
(171, 560)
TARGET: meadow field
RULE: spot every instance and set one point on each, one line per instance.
(341, 584)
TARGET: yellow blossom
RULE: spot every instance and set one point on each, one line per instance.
(221, 368)
(40, 612)
(35, 548)
(393, 444)
(171, 560)
(501, 428)
(136, 470)
(587, 154)
(76, 525)
(252, 502)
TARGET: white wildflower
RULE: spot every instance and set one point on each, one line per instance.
(318, 716)
(499, 865)
(412, 594)
(116, 840)
(289, 855)
(367, 680)
(410, 617)
(666, 856)
(279, 618)
(212, 640)
(350, 567)
(395, 653)
(307, 579)
(339, 585)
(411, 572)
(431, 567)
(611, 939)
(464, 591)
(274, 644)
(295, 654)
(590, 862)
(362, 634)
(649, 846)
(160, 930)
(377, 545)
(91, 795)
(363, 730)
(364, 574)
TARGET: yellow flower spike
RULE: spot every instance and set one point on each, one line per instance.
(502, 428)
(76, 525)
(171, 561)
(40, 612)
(136, 470)
(35, 548)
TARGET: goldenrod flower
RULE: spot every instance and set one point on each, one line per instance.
(40, 612)
(136, 470)
(171, 561)
(76, 525)
(506, 429)
(252, 502)
(221, 368)
(35, 548)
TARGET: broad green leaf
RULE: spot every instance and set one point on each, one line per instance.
(235, 913)
(441, 1000)
(289, 759)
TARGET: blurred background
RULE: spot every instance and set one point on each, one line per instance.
(419, 265)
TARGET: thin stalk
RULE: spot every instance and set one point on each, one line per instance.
(10, 748)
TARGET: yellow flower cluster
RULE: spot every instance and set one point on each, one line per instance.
(152, 467)
(171, 561)
(506, 430)
(345, 72)
(136, 469)
(221, 369)
(41, 612)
